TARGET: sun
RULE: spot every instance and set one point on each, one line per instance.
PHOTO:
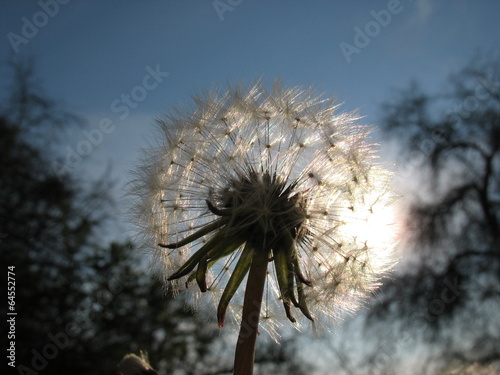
(372, 223)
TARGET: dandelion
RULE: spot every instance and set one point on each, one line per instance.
(276, 188)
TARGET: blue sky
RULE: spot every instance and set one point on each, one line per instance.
(92, 54)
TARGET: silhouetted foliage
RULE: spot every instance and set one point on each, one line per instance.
(90, 299)
(449, 147)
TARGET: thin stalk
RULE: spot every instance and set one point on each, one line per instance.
(245, 347)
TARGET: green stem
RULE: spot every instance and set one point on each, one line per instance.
(245, 347)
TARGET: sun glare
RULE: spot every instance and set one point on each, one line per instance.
(373, 223)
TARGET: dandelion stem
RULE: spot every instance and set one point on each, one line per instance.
(245, 347)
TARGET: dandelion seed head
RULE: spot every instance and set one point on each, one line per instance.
(278, 170)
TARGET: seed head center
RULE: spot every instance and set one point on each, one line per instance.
(262, 208)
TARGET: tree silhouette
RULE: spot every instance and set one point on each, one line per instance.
(81, 302)
(449, 147)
